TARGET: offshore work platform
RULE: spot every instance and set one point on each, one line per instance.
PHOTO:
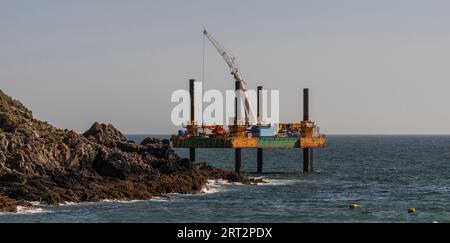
(240, 135)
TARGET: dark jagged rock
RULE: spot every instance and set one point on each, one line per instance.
(104, 134)
(10, 205)
(41, 163)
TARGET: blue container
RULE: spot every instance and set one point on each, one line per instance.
(181, 132)
(263, 131)
(267, 132)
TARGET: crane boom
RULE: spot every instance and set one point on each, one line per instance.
(230, 60)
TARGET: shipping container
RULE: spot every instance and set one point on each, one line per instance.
(263, 131)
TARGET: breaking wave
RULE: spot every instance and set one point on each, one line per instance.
(30, 210)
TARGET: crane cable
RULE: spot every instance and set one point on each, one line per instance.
(203, 72)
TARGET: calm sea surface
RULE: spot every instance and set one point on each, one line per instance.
(385, 175)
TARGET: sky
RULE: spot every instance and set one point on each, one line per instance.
(373, 67)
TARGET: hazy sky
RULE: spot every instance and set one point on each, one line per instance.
(372, 66)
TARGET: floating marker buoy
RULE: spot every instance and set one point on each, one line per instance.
(411, 210)
(353, 205)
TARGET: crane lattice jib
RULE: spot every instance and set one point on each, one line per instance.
(229, 59)
(231, 62)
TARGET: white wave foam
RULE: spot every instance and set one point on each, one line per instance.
(219, 182)
(214, 186)
(75, 203)
(279, 182)
(128, 201)
(226, 182)
(157, 199)
(30, 210)
(67, 204)
(160, 199)
(208, 189)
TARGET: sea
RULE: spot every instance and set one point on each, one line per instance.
(383, 175)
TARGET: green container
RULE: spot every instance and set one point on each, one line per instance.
(279, 143)
(272, 142)
(202, 143)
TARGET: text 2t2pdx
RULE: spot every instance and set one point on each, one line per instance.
(224, 233)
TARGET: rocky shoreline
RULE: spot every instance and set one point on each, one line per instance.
(41, 163)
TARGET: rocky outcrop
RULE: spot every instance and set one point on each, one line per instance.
(41, 163)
